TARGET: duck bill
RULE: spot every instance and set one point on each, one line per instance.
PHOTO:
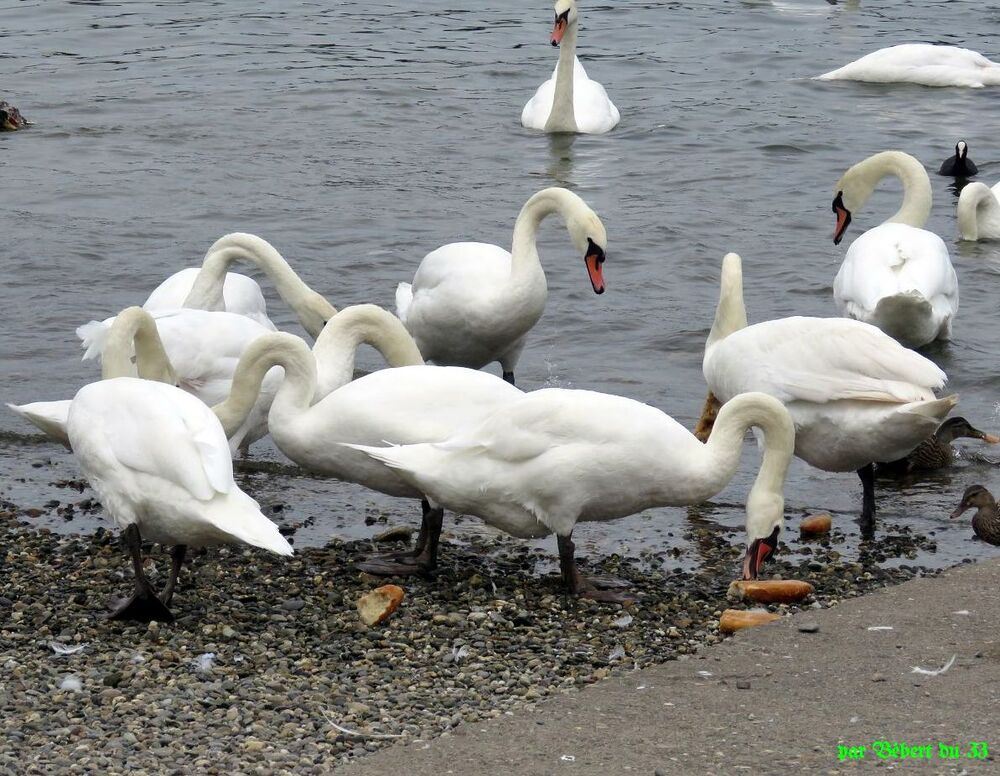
(843, 221)
(959, 511)
(596, 272)
(558, 30)
(758, 551)
(990, 439)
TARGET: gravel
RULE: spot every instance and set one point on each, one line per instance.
(268, 668)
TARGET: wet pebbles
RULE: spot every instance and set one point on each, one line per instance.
(268, 668)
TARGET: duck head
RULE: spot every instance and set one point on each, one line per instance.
(958, 427)
(975, 496)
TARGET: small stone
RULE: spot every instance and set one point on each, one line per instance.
(398, 533)
(253, 745)
(377, 606)
(878, 678)
(113, 679)
(227, 632)
(809, 627)
(293, 604)
(742, 684)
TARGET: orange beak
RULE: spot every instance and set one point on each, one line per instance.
(595, 270)
(558, 30)
(990, 439)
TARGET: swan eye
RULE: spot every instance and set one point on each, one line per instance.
(593, 249)
(838, 202)
(563, 17)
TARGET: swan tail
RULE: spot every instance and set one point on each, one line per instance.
(49, 416)
(94, 336)
(411, 461)
(936, 409)
(404, 296)
(239, 516)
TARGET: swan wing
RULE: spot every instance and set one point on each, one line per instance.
(49, 416)
(537, 110)
(819, 360)
(592, 108)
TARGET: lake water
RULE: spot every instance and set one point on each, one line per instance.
(357, 137)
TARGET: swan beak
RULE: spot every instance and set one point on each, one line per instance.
(758, 552)
(843, 219)
(559, 30)
(594, 262)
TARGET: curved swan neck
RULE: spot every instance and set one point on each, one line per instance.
(765, 503)
(563, 117)
(863, 177)
(363, 324)
(731, 313)
(976, 201)
(312, 310)
(134, 327)
(524, 253)
(296, 391)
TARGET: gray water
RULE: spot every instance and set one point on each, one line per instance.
(359, 136)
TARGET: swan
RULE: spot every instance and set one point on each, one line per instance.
(559, 456)
(569, 101)
(159, 462)
(133, 331)
(979, 212)
(856, 395)
(473, 303)
(959, 165)
(406, 404)
(920, 63)
(897, 276)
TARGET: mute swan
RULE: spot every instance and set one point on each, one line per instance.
(569, 101)
(557, 457)
(160, 464)
(920, 63)
(473, 303)
(133, 331)
(979, 212)
(400, 405)
(959, 165)
(856, 395)
(897, 276)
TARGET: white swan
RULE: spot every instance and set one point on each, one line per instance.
(856, 395)
(569, 101)
(400, 405)
(133, 332)
(979, 212)
(897, 276)
(473, 303)
(558, 457)
(920, 63)
(159, 461)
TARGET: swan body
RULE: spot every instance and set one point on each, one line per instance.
(920, 63)
(896, 276)
(856, 395)
(558, 457)
(159, 461)
(473, 303)
(979, 212)
(241, 295)
(569, 101)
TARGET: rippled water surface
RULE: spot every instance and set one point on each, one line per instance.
(356, 137)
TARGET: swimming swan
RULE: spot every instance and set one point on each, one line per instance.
(979, 212)
(569, 101)
(920, 63)
(897, 276)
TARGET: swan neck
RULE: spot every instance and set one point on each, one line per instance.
(730, 313)
(976, 201)
(916, 207)
(136, 328)
(765, 503)
(295, 394)
(563, 117)
(352, 327)
(524, 252)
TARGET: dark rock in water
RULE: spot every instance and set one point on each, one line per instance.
(809, 627)
(11, 118)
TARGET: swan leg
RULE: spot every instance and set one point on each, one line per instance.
(509, 377)
(867, 475)
(578, 584)
(143, 606)
(177, 554)
(421, 559)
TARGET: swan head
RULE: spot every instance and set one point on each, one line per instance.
(565, 16)
(758, 551)
(589, 237)
(843, 214)
(315, 312)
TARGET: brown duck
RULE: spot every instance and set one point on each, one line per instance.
(10, 118)
(936, 451)
(986, 521)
